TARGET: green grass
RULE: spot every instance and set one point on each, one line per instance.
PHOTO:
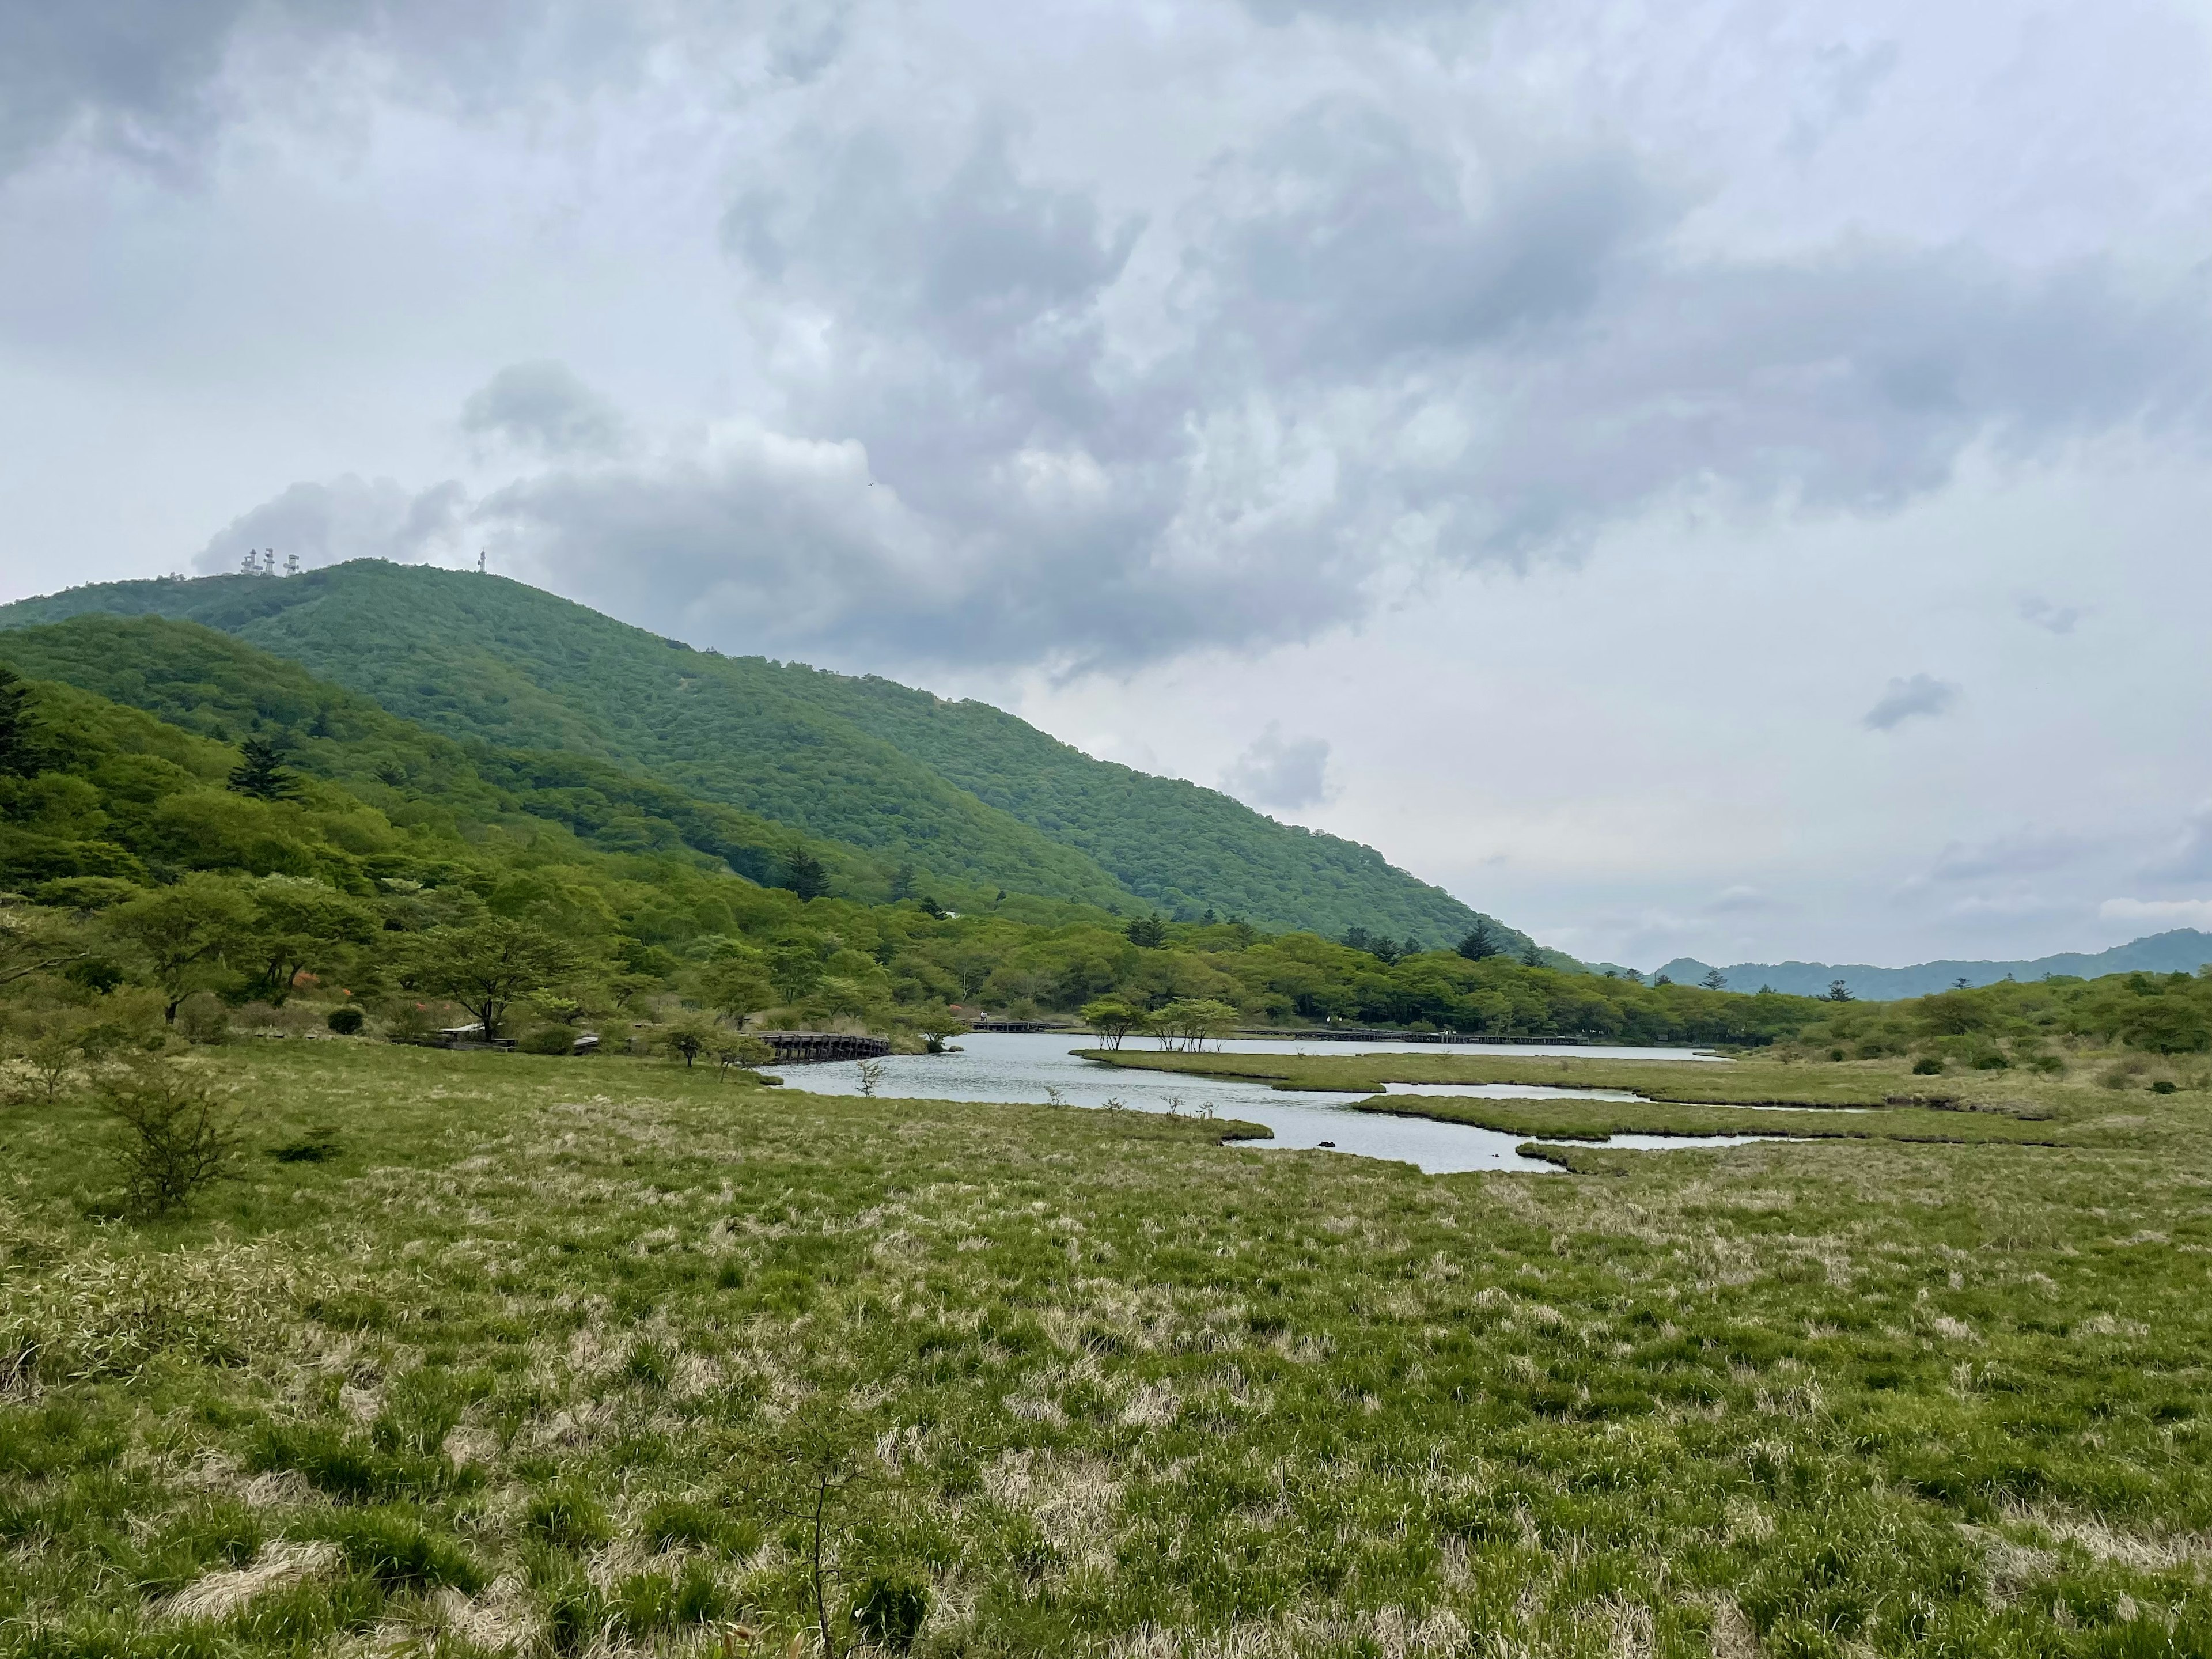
(1756, 1082)
(1595, 1120)
(553, 1356)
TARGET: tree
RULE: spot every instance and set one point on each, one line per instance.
(1838, 992)
(22, 753)
(733, 1049)
(1113, 1018)
(939, 1026)
(1481, 942)
(1187, 1022)
(1150, 933)
(736, 986)
(298, 924)
(1532, 956)
(804, 875)
(28, 947)
(1714, 980)
(261, 774)
(174, 1137)
(183, 931)
(488, 965)
(689, 1039)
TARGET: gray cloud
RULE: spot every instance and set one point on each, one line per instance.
(544, 406)
(1361, 341)
(2024, 853)
(1907, 699)
(2052, 618)
(348, 517)
(154, 81)
(134, 74)
(1279, 772)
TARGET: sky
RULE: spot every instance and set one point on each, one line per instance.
(1718, 479)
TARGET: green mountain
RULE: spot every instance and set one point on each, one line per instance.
(959, 792)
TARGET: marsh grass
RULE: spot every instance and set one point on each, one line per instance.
(531, 1362)
(1743, 1083)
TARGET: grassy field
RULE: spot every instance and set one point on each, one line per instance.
(495, 1353)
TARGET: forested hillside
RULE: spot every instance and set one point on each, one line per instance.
(298, 838)
(1184, 847)
(960, 790)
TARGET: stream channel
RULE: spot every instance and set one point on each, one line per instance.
(1031, 1066)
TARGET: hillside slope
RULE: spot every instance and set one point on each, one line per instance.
(960, 790)
(1185, 847)
(2182, 950)
(216, 687)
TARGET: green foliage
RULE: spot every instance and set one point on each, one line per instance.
(489, 964)
(964, 792)
(346, 1020)
(173, 1137)
(260, 772)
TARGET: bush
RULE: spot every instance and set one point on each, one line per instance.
(346, 1021)
(1927, 1066)
(202, 1018)
(740, 1052)
(409, 1021)
(2162, 1087)
(175, 1138)
(548, 1040)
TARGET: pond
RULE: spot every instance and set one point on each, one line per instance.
(1037, 1067)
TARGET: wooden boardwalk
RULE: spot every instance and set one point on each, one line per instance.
(804, 1047)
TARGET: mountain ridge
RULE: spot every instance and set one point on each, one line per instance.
(2180, 949)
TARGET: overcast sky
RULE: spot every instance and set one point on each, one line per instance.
(1722, 478)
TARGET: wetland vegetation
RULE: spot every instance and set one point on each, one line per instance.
(492, 1352)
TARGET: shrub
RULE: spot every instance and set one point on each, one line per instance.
(2162, 1087)
(548, 1040)
(319, 1145)
(409, 1021)
(1927, 1066)
(346, 1021)
(737, 1051)
(203, 1019)
(174, 1138)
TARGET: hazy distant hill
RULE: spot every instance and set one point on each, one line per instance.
(2182, 950)
(961, 789)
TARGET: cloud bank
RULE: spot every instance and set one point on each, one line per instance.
(1013, 397)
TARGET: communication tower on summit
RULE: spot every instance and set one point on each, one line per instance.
(482, 568)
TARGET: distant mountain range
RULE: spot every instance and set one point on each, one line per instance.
(2182, 950)
(959, 800)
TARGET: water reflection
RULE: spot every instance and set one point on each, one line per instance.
(1037, 1069)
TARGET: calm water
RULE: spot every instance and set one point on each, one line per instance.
(1032, 1067)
